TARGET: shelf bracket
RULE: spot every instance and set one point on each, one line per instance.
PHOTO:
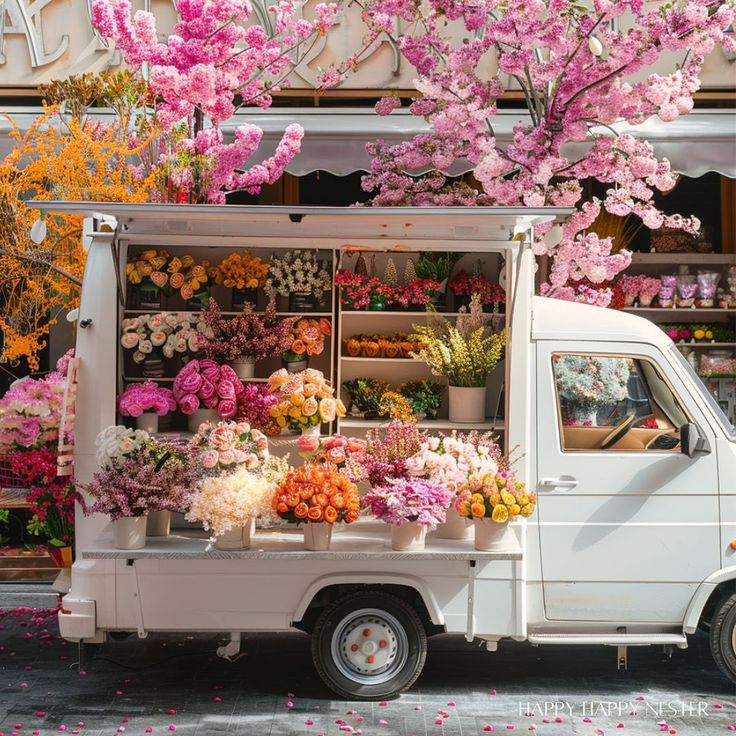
(472, 572)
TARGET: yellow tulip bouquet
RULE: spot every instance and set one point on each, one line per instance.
(306, 399)
(158, 269)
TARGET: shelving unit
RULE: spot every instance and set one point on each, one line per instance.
(656, 264)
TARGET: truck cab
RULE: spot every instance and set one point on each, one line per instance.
(631, 542)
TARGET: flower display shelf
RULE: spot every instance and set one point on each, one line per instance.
(438, 424)
(691, 312)
(232, 314)
(363, 540)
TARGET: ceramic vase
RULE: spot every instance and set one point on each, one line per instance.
(467, 404)
(317, 536)
(129, 532)
(490, 536)
(147, 421)
(158, 523)
(409, 537)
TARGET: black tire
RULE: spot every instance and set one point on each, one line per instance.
(405, 646)
(722, 630)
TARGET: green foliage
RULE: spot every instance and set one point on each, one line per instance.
(437, 266)
(424, 396)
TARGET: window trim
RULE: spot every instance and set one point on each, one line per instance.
(637, 357)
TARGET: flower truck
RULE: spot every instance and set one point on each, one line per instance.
(629, 464)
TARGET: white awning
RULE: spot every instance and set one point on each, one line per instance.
(335, 138)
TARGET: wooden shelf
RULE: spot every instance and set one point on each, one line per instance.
(660, 259)
(681, 310)
(374, 312)
(489, 426)
(227, 314)
(350, 359)
(705, 344)
(170, 379)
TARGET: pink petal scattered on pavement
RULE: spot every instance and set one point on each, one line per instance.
(510, 727)
(632, 712)
(350, 712)
(218, 699)
(118, 692)
(359, 719)
(586, 720)
(383, 703)
(732, 728)
(492, 692)
(121, 729)
(172, 712)
(382, 722)
(558, 719)
(82, 673)
(488, 727)
(149, 730)
(451, 704)
(417, 707)
(309, 722)
(289, 704)
(290, 695)
(620, 725)
(546, 720)
(40, 713)
(641, 697)
(24, 685)
(438, 721)
(172, 727)
(340, 722)
(718, 706)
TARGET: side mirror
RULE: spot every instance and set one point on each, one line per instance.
(693, 443)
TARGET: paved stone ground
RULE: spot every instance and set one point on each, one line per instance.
(168, 681)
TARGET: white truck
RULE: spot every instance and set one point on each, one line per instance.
(630, 543)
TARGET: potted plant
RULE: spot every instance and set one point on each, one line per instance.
(365, 395)
(437, 267)
(317, 496)
(410, 507)
(228, 504)
(243, 340)
(425, 397)
(139, 270)
(254, 407)
(156, 337)
(146, 402)
(394, 406)
(52, 499)
(244, 274)
(464, 286)
(137, 476)
(465, 352)
(307, 340)
(302, 277)
(492, 501)
(306, 400)
(585, 383)
(206, 391)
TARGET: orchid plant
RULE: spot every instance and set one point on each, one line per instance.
(580, 72)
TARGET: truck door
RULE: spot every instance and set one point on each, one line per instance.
(628, 524)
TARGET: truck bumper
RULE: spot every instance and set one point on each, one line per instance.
(77, 619)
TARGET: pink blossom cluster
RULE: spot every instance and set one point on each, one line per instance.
(577, 67)
(147, 396)
(399, 501)
(215, 61)
(30, 413)
(204, 383)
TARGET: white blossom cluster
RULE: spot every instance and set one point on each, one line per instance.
(171, 333)
(299, 271)
(115, 443)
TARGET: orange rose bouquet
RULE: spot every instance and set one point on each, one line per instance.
(241, 271)
(500, 497)
(307, 339)
(315, 492)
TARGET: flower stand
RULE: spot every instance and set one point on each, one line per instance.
(237, 538)
(317, 536)
(129, 532)
(158, 523)
(467, 404)
(490, 536)
(409, 537)
(455, 527)
(198, 416)
(148, 421)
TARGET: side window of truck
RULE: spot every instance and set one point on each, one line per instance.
(615, 402)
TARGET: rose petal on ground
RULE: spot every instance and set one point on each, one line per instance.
(492, 692)
(641, 697)
(488, 727)
(558, 719)
(290, 704)
(309, 722)
(586, 720)
(172, 712)
(718, 705)
(438, 721)
(417, 707)
(451, 704)
(218, 699)
(382, 722)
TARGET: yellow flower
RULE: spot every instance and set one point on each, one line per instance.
(507, 498)
(514, 509)
(500, 514)
(295, 412)
(699, 334)
(477, 498)
(174, 265)
(148, 254)
(527, 509)
(478, 510)
(187, 261)
(310, 407)
(297, 399)
(281, 421)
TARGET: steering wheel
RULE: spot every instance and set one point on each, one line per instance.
(618, 432)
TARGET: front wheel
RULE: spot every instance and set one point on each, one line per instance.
(723, 636)
(369, 646)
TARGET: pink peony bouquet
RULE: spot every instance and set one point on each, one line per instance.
(399, 500)
(148, 396)
(30, 413)
(228, 445)
(204, 383)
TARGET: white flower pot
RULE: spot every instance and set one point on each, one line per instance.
(490, 536)
(317, 536)
(237, 538)
(202, 415)
(314, 430)
(455, 527)
(147, 421)
(244, 367)
(129, 532)
(467, 405)
(158, 524)
(409, 537)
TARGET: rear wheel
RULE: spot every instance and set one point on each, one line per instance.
(369, 645)
(723, 636)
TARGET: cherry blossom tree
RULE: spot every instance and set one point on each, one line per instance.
(582, 68)
(215, 62)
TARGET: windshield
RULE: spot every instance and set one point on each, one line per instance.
(709, 398)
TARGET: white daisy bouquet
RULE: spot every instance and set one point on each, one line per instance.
(299, 272)
(164, 334)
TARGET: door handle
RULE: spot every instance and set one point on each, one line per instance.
(558, 482)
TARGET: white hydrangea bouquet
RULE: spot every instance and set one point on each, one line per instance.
(165, 333)
(299, 272)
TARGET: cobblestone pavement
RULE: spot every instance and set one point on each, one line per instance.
(169, 683)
